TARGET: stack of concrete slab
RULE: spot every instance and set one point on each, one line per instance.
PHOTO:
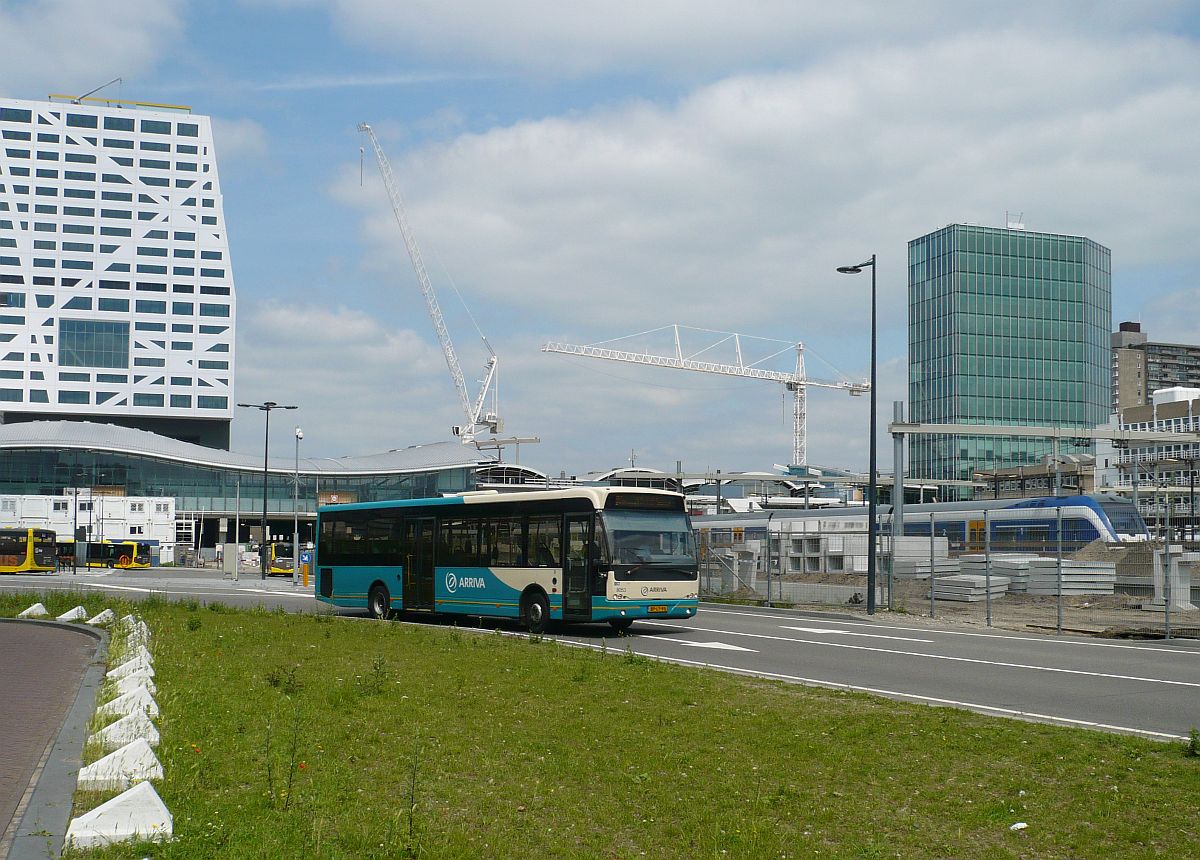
(1015, 566)
(918, 568)
(969, 588)
(1078, 577)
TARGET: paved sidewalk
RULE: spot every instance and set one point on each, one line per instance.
(40, 674)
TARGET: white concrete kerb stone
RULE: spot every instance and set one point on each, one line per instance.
(128, 621)
(133, 661)
(127, 730)
(137, 663)
(134, 762)
(35, 611)
(102, 619)
(134, 680)
(76, 614)
(138, 701)
(138, 813)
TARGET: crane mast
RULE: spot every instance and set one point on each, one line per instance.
(473, 410)
(796, 382)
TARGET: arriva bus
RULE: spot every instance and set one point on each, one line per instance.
(124, 554)
(27, 550)
(586, 554)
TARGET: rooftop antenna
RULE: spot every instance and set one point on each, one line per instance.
(79, 99)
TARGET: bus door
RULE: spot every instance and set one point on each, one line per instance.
(418, 563)
(577, 592)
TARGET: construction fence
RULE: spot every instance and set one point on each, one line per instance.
(1138, 590)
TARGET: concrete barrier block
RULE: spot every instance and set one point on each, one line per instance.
(102, 619)
(35, 611)
(134, 680)
(134, 762)
(137, 663)
(76, 614)
(127, 730)
(138, 701)
(131, 666)
(138, 813)
(127, 621)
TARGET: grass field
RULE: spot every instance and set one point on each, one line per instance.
(309, 736)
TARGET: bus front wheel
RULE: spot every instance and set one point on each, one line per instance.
(621, 624)
(379, 602)
(535, 612)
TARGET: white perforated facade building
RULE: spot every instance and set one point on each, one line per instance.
(116, 290)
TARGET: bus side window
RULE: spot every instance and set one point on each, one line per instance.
(545, 541)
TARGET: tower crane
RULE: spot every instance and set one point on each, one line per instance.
(795, 382)
(477, 418)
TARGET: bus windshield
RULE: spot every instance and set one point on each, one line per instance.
(650, 538)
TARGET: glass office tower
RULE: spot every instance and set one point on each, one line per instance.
(1005, 326)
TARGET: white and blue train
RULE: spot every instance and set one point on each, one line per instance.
(1027, 525)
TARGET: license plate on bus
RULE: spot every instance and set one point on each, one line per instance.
(658, 608)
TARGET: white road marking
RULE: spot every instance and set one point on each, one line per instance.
(1024, 637)
(106, 587)
(721, 646)
(977, 661)
(1032, 716)
(849, 633)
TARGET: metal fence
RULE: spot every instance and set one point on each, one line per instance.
(1144, 589)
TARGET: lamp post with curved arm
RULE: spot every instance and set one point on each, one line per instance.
(872, 478)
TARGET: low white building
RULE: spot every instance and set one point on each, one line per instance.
(113, 518)
(1157, 474)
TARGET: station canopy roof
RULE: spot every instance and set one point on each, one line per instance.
(95, 436)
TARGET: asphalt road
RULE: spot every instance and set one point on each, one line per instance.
(1146, 688)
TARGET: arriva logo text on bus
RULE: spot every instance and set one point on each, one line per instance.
(454, 582)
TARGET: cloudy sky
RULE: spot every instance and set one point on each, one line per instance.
(586, 171)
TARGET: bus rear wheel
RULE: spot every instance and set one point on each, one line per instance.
(621, 624)
(379, 602)
(535, 612)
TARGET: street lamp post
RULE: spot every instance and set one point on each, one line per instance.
(265, 408)
(872, 481)
(296, 511)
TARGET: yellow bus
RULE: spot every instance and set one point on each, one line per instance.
(27, 550)
(280, 559)
(124, 554)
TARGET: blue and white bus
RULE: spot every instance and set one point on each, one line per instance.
(610, 554)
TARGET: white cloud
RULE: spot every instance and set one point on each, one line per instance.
(75, 45)
(238, 139)
(677, 36)
(361, 386)
(730, 209)
(357, 81)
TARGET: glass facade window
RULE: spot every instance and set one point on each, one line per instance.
(1005, 326)
(93, 343)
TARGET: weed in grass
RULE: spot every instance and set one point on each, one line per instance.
(193, 624)
(1192, 748)
(280, 797)
(284, 679)
(218, 607)
(190, 605)
(455, 635)
(376, 681)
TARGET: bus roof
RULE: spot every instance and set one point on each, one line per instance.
(596, 495)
